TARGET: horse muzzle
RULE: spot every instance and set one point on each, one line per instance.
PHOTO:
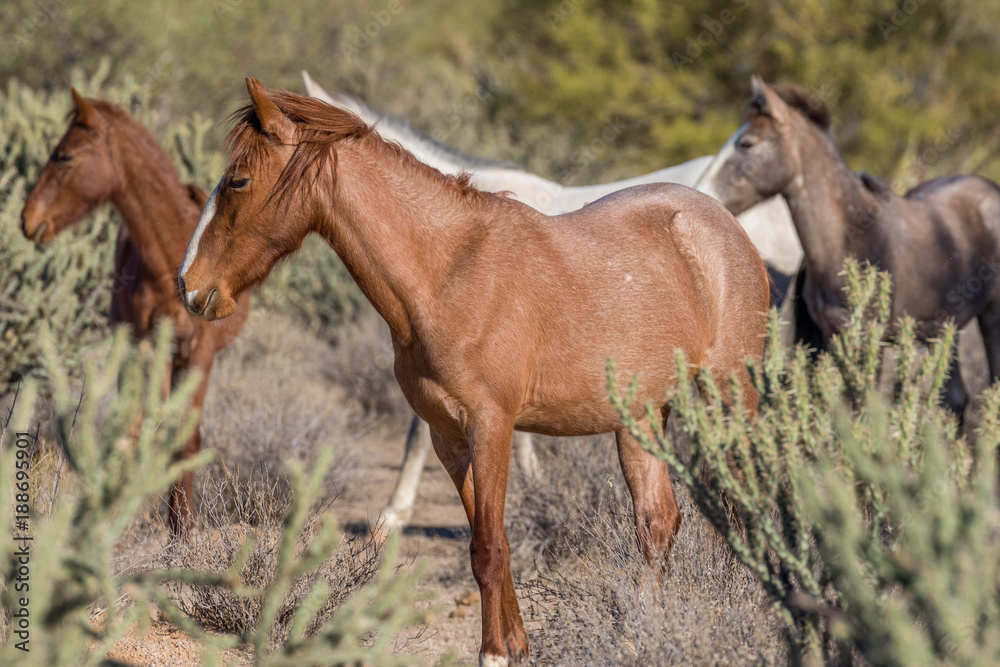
(40, 233)
(209, 303)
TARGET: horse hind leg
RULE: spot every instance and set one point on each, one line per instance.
(657, 517)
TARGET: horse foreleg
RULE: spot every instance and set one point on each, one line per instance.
(657, 517)
(397, 513)
(503, 631)
(181, 507)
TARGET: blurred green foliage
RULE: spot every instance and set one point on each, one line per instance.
(910, 82)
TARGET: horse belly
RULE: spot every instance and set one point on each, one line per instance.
(567, 393)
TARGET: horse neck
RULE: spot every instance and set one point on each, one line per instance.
(830, 209)
(152, 202)
(400, 227)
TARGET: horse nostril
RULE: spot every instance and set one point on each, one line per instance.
(38, 236)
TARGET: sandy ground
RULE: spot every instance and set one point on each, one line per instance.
(436, 540)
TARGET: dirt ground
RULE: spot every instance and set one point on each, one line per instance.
(436, 540)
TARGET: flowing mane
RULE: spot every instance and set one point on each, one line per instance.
(801, 100)
(320, 127)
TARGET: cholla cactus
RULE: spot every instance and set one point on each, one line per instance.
(832, 485)
(120, 446)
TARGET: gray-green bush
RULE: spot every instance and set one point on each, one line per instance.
(870, 522)
(119, 445)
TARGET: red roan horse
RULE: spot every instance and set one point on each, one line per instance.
(108, 156)
(501, 317)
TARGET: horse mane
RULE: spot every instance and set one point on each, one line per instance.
(321, 126)
(805, 103)
(875, 185)
(474, 162)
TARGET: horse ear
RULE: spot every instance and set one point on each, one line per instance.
(758, 95)
(765, 100)
(272, 120)
(84, 111)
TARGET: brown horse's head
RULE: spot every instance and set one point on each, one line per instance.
(248, 223)
(763, 157)
(79, 176)
(230, 249)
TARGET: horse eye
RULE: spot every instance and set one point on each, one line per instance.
(62, 157)
(746, 142)
(238, 182)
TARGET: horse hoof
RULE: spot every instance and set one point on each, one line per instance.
(486, 660)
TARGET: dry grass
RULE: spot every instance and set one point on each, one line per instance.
(257, 514)
(587, 594)
(362, 364)
(270, 401)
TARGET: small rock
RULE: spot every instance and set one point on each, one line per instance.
(467, 599)
(459, 612)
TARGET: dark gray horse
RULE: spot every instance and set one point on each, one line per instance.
(939, 242)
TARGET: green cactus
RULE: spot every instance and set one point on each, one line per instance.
(866, 519)
(120, 446)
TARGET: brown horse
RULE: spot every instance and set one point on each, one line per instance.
(939, 241)
(501, 317)
(108, 156)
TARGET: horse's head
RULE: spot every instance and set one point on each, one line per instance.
(763, 156)
(248, 223)
(79, 176)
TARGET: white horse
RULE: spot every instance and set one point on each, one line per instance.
(769, 225)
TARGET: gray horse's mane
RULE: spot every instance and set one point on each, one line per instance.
(875, 185)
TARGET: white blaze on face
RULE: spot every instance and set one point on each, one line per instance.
(707, 183)
(206, 216)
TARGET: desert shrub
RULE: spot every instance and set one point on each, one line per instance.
(362, 363)
(608, 609)
(865, 519)
(289, 411)
(120, 447)
(253, 512)
(549, 518)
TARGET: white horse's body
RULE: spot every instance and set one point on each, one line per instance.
(769, 224)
